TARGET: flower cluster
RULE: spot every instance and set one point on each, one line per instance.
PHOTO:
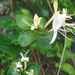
(36, 22)
(21, 65)
(59, 20)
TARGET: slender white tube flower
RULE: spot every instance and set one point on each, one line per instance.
(24, 58)
(58, 22)
(55, 6)
(37, 19)
(36, 23)
(18, 66)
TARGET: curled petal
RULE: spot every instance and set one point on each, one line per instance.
(23, 57)
(55, 5)
(64, 11)
(37, 19)
(58, 20)
(18, 65)
(54, 37)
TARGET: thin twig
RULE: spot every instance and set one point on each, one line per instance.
(34, 54)
(50, 6)
(40, 63)
(12, 9)
(62, 56)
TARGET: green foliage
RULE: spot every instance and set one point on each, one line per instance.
(7, 23)
(43, 41)
(26, 38)
(31, 65)
(1, 0)
(7, 46)
(11, 71)
(35, 67)
(4, 20)
(22, 37)
(67, 68)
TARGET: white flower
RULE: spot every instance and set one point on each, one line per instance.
(58, 22)
(18, 66)
(24, 58)
(30, 73)
(37, 21)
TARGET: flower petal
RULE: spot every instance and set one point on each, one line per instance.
(58, 20)
(54, 37)
(55, 5)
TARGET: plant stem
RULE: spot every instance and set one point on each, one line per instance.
(25, 65)
(40, 63)
(12, 9)
(50, 6)
(61, 60)
(34, 54)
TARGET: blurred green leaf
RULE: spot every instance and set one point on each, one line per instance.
(24, 16)
(43, 41)
(4, 20)
(42, 51)
(34, 66)
(26, 38)
(67, 68)
(43, 22)
(68, 43)
(45, 12)
(10, 25)
(1, 0)
(50, 53)
(27, 13)
(34, 46)
(21, 24)
(11, 71)
(7, 46)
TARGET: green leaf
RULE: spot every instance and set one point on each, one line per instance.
(26, 38)
(43, 22)
(66, 55)
(50, 53)
(43, 41)
(7, 23)
(27, 13)
(16, 35)
(1, 0)
(7, 46)
(45, 12)
(10, 25)
(4, 20)
(11, 71)
(67, 68)
(21, 24)
(34, 46)
(33, 66)
(42, 51)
